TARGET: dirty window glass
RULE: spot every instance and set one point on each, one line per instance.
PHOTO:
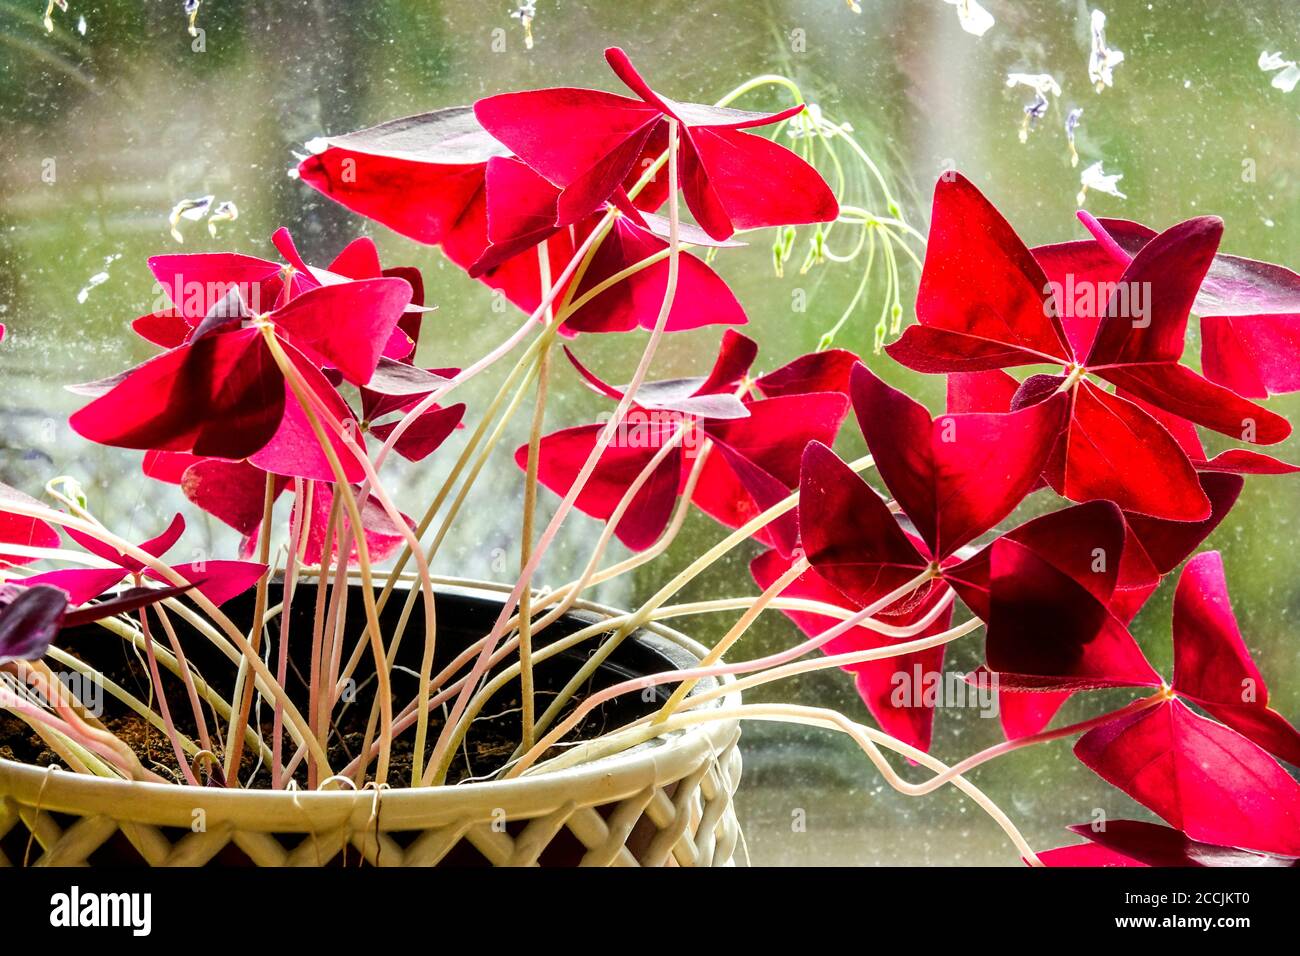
(126, 133)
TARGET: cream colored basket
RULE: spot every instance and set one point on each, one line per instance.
(667, 802)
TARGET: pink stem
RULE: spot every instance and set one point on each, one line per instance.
(183, 669)
(1104, 238)
(1007, 746)
(694, 674)
(297, 523)
(163, 708)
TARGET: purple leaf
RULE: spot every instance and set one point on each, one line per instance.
(29, 620)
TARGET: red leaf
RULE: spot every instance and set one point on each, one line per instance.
(294, 450)
(1212, 665)
(232, 491)
(396, 386)
(927, 349)
(346, 326)
(1254, 355)
(1165, 275)
(733, 489)
(1248, 315)
(1162, 846)
(1168, 543)
(168, 466)
(1113, 450)
(358, 260)
(848, 533)
(519, 278)
(983, 302)
(521, 212)
(735, 180)
(1201, 777)
(826, 371)
(959, 475)
(417, 175)
(777, 430)
(736, 354)
(80, 584)
(1085, 542)
(589, 143)
(233, 400)
(1080, 273)
(691, 396)
(383, 537)
(976, 312)
(197, 283)
(1085, 854)
(562, 454)
(1239, 461)
(30, 619)
(1179, 390)
(122, 603)
(156, 546)
(1233, 461)
(1023, 713)
(1047, 631)
(1153, 546)
(701, 298)
(990, 391)
(219, 581)
(426, 433)
(583, 141)
(1135, 843)
(20, 529)
(167, 329)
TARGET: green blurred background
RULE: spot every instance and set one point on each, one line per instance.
(130, 118)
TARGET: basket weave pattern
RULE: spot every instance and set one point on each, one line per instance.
(669, 805)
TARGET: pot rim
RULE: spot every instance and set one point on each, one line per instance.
(654, 763)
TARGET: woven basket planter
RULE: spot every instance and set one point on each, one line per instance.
(665, 802)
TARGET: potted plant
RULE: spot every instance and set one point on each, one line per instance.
(317, 710)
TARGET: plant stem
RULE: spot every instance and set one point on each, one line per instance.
(684, 577)
(299, 522)
(480, 700)
(561, 645)
(523, 364)
(318, 672)
(441, 758)
(867, 738)
(183, 671)
(465, 488)
(527, 701)
(173, 737)
(439, 393)
(737, 631)
(301, 392)
(1009, 746)
(243, 688)
(215, 616)
(596, 699)
(564, 597)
